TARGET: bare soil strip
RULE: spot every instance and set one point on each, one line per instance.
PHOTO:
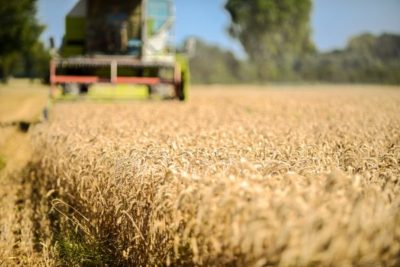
(21, 102)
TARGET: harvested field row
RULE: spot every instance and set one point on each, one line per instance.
(232, 178)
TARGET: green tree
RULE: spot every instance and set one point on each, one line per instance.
(19, 32)
(274, 33)
(366, 59)
(212, 64)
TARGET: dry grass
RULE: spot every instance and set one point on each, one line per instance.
(232, 178)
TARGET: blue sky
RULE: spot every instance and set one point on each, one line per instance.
(333, 21)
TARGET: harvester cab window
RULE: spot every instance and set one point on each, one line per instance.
(159, 12)
(114, 26)
(117, 31)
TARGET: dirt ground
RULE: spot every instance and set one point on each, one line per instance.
(20, 101)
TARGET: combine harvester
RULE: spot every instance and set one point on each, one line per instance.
(120, 42)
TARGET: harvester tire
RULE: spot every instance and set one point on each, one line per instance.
(150, 91)
(83, 89)
(180, 92)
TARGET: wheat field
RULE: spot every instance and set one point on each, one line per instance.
(241, 177)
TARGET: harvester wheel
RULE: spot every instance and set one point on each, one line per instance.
(65, 89)
(180, 88)
(83, 89)
(150, 90)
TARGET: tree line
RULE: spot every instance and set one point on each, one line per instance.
(365, 59)
(276, 36)
(21, 52)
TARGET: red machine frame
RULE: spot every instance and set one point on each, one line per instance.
(113, 63)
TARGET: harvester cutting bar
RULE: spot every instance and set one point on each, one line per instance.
(119, 80)
(88, 71)
(140, 80)
(75, 79)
